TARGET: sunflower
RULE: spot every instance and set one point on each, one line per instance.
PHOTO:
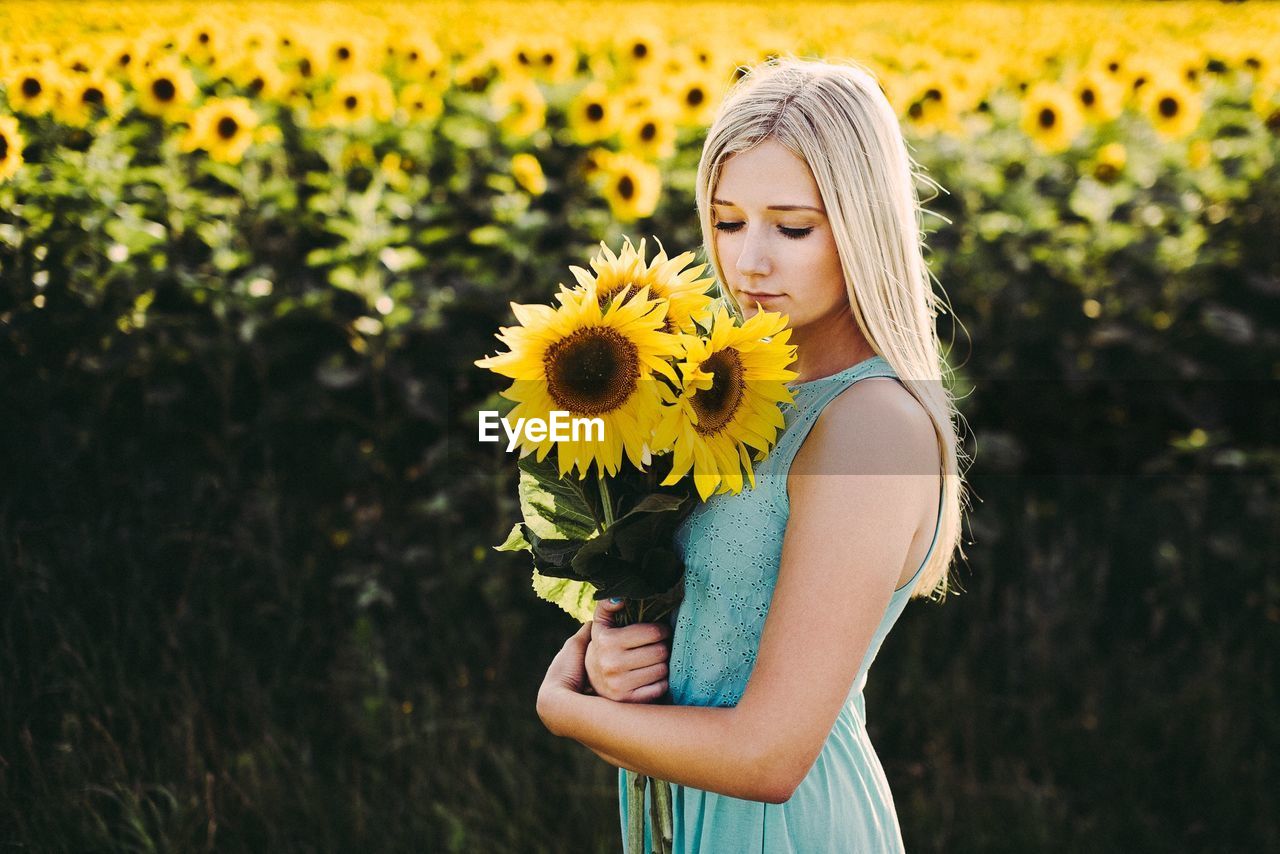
(355, 97)
(528, 173)
(520, 106)
(651, 134)
(83, 98)
(733, 381)
(10, 147)
(256, 72)
(694, 98)
(223, 127)
(592, 114)
(1050, 117)
(685, 293)
(1173, 107)
(419, 59)
(165, 88)
(591, 364)
(1097, 94)
(420, 103)
(33, 89)
(630, 185)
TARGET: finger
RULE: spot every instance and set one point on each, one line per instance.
(605, 609)
(642, 634)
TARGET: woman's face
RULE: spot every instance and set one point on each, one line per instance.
(773, 238)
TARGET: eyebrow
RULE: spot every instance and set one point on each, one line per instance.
(774, 207)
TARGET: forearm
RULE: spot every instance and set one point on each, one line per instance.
(695, 746)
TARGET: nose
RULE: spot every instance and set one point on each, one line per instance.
(753, 261)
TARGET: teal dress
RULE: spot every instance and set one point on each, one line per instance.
(731, 546)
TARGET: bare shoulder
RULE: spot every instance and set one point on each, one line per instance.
(875, 426)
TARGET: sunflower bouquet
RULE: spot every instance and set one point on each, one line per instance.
(673, 398)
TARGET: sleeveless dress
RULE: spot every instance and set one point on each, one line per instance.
(731, 546)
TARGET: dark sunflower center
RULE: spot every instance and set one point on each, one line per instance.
(92, 95)
(595, 112)
(1087, 97)
(648, 131)
(1168, 107)
(1048, 118)
(350, 102)
(4, 147)
(163, 89)
(626, 187)
(31, 87)
(344, 53)
(640, 50)
(227, 127)
(694, 97)
(592, 371)
(716, 406)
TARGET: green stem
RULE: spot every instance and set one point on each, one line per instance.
(635, 812)
(608, 501)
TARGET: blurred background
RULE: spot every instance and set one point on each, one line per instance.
(249, 252)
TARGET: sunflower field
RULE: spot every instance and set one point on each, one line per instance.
(250, 252)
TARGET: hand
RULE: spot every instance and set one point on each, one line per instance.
(627, 664)
(565, 675)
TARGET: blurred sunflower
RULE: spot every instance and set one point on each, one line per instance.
(520, 106)
(1050, 117)
(548, 57)
(1099, 97)
(650, 135)
(202, 41)
(252, 36)
(1173, 107)
(418, 58)
(420, 103)
(1109, 162)
(630, 185)
(643, 45)
(256, 72)
(10, 147)
(930, 109)
(223, 127)
(695, 98)
(591, 364)
(165, 88)
(348, 54)
(33, 88)
(358, 96)
(1265, 99)
(592, 114)
(685, 293)
(528, 173)
(84, 98)
(731, 384)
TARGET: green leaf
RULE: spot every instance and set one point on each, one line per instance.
(515, 541)
(577, 598)
(555, 506)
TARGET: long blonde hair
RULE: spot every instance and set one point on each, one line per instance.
(835, 117)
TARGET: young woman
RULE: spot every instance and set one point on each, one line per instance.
(806, 196)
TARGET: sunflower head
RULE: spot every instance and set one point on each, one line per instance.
(589, 363)
(622, 276)
(732, 382)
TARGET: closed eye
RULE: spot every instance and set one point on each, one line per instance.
(793, 233)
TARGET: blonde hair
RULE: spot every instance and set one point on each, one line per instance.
(835, 117)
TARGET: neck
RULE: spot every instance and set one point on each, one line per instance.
(827, 347)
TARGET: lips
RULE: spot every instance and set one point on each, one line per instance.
(759, 296)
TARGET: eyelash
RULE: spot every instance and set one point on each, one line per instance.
(793, 233)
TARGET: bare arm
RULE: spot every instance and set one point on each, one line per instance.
(695, 746)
